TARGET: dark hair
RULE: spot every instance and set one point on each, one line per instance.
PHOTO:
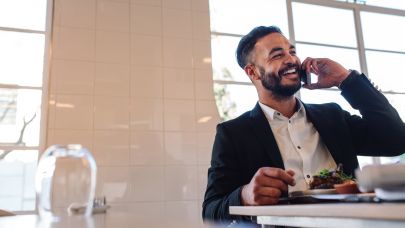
(247, 43)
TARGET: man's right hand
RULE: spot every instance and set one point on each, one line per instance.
(266, 186)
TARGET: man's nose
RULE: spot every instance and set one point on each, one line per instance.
(288, 58)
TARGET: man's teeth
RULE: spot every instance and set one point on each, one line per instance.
(290, 71)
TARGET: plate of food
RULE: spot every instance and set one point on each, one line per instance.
(329, 182)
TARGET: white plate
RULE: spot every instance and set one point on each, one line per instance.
(313, 192)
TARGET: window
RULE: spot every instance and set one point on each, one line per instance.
(345, 31)
(22, 45)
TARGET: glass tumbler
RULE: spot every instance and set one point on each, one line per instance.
(65, 182)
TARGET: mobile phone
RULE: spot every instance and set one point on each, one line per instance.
(304, 77)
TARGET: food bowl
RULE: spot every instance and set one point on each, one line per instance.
(347, 188)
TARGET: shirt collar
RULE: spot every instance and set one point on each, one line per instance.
(270, 112)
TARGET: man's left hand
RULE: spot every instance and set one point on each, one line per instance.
(329, 72)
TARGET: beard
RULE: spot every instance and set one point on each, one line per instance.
(272, 82)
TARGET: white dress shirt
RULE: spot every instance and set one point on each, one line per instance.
(301, 148)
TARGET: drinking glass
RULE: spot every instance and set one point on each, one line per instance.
(65, 182)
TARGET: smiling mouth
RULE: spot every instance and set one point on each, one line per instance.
(293, 71)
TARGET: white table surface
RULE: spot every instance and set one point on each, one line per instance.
(111, 219)
(328, 215)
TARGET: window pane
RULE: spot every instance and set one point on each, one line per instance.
(349, 58)
(224, 62)
(17, 175)
(383, 70)
(326, 96)
(394, 4)
(233, 100)
(383, 37)
(241, 16)
(20, 117)
(319, 24)
(24, 14)
(21, 57)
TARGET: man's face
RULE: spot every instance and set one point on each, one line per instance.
(278, 65)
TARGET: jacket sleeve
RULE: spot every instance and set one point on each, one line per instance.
(224, 182)
(380, 131)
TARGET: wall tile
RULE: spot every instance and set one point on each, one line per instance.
(111, 113)
(177, 53)
(111, 147)
(179, 115)
(146, 50)
(73, 43)
(207, 116)
(65, 137)
(181, 148)
(178, 83)
(205, 140)
(147, 114)
(147, 148)
(147, 2)
(69, 15)
(112, 47)
(204, 85)
(74, 112)
(180, 183)
(146, 82)
(202, 181)
(177, 23)
(200, 5)
(201, 26)
(72, 77)
(113, 16)
(202, 54)
(112, 79)
(147, 183)
(140, 14)
(114, 184)
(51, 110)
(177, 4)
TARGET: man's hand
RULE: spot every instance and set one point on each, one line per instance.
(330, 73)
(266, 186)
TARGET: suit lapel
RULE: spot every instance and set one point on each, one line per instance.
(327, 130)
(262, 130)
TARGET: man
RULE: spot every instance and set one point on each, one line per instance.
(282, 142)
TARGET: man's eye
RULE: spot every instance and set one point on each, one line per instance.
(293, 52)
(277, 56)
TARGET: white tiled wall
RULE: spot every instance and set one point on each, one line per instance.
(132, 81)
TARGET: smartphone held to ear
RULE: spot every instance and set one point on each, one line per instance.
(304, 77)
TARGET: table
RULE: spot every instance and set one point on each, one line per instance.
(327, 215)
(111, 219)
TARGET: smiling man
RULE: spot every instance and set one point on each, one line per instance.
(277, 147)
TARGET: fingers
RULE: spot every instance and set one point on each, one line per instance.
(272, 182)
(277, 174)
(312, 86)
(264, 200)
(310, 65)
(269, 192)
(291, 172)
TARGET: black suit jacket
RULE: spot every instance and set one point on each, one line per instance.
(245, 144)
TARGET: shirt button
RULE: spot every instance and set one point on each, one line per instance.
(298, 147)
(289, 121)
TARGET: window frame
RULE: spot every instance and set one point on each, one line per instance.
(356, 8)
(44, 88)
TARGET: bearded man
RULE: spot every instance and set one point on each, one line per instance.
(277, 146)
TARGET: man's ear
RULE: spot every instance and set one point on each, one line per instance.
(250, 70)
